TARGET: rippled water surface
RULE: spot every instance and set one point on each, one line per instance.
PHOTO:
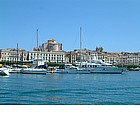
(86, 89)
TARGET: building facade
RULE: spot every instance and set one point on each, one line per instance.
(48, 52)
(57, 57)
(51, 46)
(13, 55)
(115, 58)
(129, 58)
(52, 52)
(81, 55)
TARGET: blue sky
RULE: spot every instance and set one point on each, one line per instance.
(112, 24)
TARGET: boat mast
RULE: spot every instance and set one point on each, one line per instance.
(80, 45)
(37, 44)
(17, 53)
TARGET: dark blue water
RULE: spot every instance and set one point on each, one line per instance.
(64, 89)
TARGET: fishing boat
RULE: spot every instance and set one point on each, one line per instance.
(4, 71)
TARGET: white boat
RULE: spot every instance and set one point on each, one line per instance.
(34, 70)
(70, 69)
(4, 71)
(15, 69)
(135, 69)
(96, 67)
(100, 67)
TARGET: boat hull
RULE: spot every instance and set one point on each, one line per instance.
(4, 71)
(107, 70)
(97, 70)
(33, 71)
(66, 71)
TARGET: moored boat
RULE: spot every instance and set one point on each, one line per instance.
(100, 67)
(134, 69)
(4, 71)
(34, 70)
(16, 68)
(70, 69)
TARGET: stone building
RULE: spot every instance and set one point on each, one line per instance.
(50, 46)
(80, 55)
(109, 57)
(57, 57)
(13, 55)
(50, 51)
(127, 58)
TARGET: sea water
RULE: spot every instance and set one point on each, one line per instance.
(71, 89)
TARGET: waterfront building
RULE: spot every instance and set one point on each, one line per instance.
(127, 58)
(109, 57)
(51, 46)
(71, 57)
(57, 57)
(84, 55)
(134, 59)
(13, 55)
(50, 51)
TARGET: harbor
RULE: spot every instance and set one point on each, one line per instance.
(69, 69)
(96, 67)
(71, 89)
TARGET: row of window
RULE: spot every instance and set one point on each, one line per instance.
(49, 55)
(48, 58)
(5, 54)
(13, 59)
(89, 66)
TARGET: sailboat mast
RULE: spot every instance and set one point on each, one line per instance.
(17, 53)
(37, 44)
(80, 45)
(37, 38)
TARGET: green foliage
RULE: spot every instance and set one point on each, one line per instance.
(53, 64)
(128, 66)
(10, 63)
(132, 66)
